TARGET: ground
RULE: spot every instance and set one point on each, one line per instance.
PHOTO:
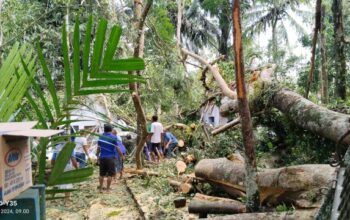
(153, 195)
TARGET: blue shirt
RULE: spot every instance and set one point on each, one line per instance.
(107, 143)
(121, 147)
(170, 137)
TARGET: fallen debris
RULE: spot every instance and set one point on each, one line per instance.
(141, 172)
(204, 205)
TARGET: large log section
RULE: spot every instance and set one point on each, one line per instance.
(297, 184)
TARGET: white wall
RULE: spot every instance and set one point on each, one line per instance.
(213, 111)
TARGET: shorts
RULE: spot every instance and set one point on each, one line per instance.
(155, 147)
(118, 164)
(107, 166)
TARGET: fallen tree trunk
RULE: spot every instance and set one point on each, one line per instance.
(304, 113)
(297, 214)
(320, 120)
(264, 93)
(297, 184)
(226, 126)
(203, 205)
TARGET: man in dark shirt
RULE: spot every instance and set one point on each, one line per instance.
(106, 151)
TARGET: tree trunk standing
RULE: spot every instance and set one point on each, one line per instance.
(339, 43)
(274, 41)
(224, 24)
(223, 41)
(180, 6)
(313, 50)
(324, 73)
(140, 17)
(253, 200)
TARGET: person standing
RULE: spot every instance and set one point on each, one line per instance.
(156, 138)
(119, 160)
(170, 142)
(81, 150)
(106, 151)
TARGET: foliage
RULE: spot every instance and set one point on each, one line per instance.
(15, 81)
(99, 72)
(284, 208)
(294, 145)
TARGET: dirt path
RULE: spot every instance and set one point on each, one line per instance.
(88, 203)
(153, 195)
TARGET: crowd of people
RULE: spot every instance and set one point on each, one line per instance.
(111, 151)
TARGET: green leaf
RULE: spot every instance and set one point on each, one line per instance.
(38, 92)
(76, 56)
(86, 52)
(113, 41)
(98, 47)
(98, 91)
(42, 159)
(36, 109)
(74, 176)
(61, 162)
(131, 64)
(67, 74)
(50, 83)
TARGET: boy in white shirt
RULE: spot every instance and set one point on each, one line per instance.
(156, 138)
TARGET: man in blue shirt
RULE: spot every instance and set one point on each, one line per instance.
(106, 151)
(170, 142)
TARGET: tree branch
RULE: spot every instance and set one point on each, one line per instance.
(216, 73)
(226, 126)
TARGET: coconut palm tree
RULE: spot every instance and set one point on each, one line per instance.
(277, 15)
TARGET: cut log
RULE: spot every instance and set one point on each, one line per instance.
(183, 187)
(174, 183)
(203, 197)
(141, 172)
(180, 202)
(186, 188)
(189, 159)
(181, 167)
(297, 214)
(181, 143)
(203, 204)
(236, 158)
(288, 184)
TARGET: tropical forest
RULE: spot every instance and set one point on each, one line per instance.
(174, 109)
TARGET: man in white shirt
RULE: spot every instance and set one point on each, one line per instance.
(81, 150)
(156, 138)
